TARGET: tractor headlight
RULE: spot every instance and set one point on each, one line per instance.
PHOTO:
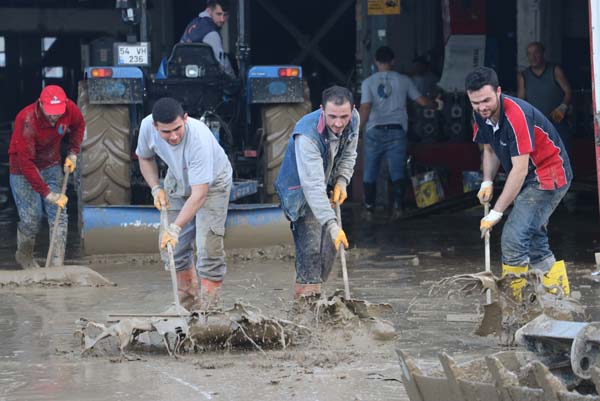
(191, 71)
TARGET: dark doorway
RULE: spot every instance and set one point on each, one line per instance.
(273, 43)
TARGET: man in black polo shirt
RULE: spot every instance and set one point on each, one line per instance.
(518, 137)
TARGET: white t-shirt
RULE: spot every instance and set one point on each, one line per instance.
(197, 159)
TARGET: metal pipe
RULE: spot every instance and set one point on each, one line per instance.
(143, 21)
(594, 12)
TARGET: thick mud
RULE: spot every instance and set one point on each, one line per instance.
(40, 358)
(60, 276)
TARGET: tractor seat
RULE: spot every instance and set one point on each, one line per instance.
(193, 60)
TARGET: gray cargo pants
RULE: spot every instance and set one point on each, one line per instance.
(207, 229)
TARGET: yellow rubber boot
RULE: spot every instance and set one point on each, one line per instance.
(518, 283)
(557, 276)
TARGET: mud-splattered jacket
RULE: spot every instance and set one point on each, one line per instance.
(35, 144)
(294, 197)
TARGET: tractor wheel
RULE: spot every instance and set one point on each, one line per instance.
(278, 122)
(105, 153)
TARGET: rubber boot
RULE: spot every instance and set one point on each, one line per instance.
(557, 277)
(306, 290)
(398, 199)
(187, 288)
(209, 293)
(518, 283)
(24, 254)
(370, 193)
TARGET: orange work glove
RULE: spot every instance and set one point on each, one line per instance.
(339, 193)
(486, 191)
(70, 163)
(489, 221)
(57, 199)
(170, 236)
(160, 198)
(338, 236)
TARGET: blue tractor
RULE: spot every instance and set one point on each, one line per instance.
(252, 117)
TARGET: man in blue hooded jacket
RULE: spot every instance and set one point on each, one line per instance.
(206, 27)
(320, 155)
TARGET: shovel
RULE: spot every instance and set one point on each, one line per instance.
(164, 222)
(486, 241)
(492, 312)
(56, 275)
(342, 252)
(63, 191)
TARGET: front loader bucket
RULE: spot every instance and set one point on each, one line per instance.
(134, 229)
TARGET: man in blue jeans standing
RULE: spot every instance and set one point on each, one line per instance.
(383, 112)
(518, 137)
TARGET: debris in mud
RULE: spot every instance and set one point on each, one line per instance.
(79, 276)
(506, 314)
(338, 311)
(507, 375)
(276, 252)
(240, 326)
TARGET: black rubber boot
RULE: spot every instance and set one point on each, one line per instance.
(370, 193)
(398, 201)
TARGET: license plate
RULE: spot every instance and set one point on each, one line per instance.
(137, 54)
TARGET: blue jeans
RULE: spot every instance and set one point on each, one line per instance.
(31, 205)
(525, 234)
(388, 143)
(315, 252)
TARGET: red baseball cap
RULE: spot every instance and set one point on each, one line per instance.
(53, 100)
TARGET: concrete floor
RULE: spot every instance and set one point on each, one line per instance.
(40, 360)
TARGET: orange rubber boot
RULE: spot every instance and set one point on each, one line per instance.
(187, 287)
(306, 290)
(209, 293)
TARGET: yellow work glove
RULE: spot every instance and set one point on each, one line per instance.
(160, 198)
(486, 191)
(170, 236)
(338, 236)
(57, 199)
(339, 193)
(70, 163)
(489, 221)
(558, 114)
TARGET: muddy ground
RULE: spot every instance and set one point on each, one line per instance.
(395, 263)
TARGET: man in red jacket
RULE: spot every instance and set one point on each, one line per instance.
(35, 171)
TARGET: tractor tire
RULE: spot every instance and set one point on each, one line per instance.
(278, 122)
(105, 153)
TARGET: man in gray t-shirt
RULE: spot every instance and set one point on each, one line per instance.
(195, 193)
(383, 112)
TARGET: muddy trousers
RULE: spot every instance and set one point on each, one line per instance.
(525, 234)
(206, 229)
(315, 252)
(31, 206)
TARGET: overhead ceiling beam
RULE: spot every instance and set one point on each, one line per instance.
(303, 40)
(58, 20)
(325, 28)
